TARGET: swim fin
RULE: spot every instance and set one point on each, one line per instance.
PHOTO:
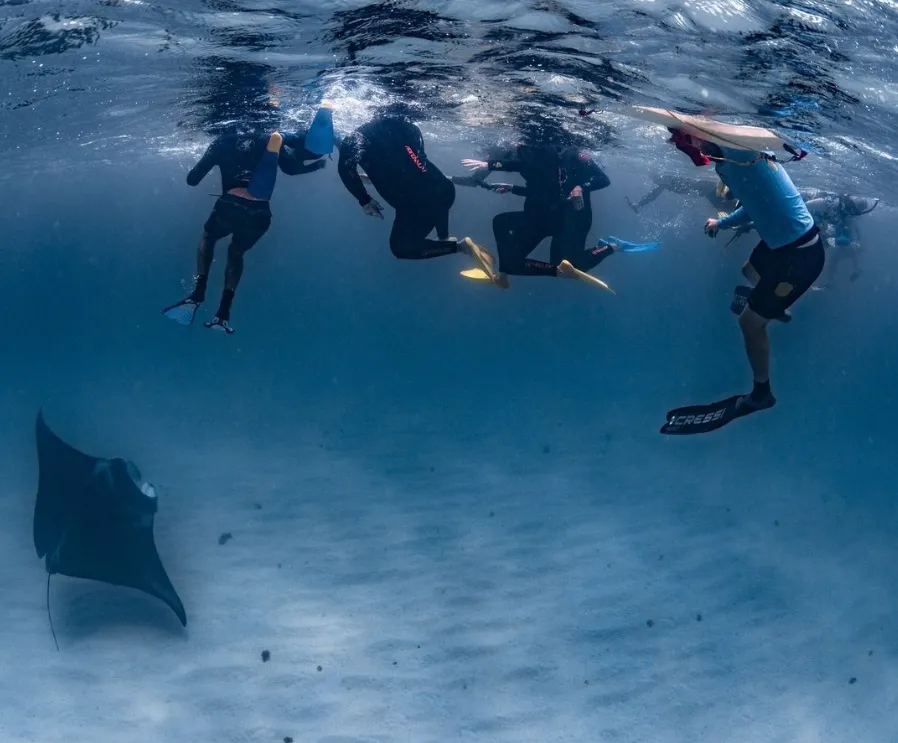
(628, 247)
(568, 271)
(183, 312)
(694, 419)
(216, 323)
(320, 137)
(481, 255)
(478, 274)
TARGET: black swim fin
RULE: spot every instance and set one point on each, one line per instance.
(695, 419)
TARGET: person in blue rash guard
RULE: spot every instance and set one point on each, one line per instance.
(782, 267)
(248, 165)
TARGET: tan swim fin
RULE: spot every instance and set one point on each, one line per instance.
(478, 274)
(570, 272)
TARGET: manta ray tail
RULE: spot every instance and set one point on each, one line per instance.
(49, 615)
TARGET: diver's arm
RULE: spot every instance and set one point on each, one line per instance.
(479, 170)
(208, 161)
(293, 156)
(291, 162)
(736, 218)
(348, 167)
(505, 188)
(506, 160)
(592, 177)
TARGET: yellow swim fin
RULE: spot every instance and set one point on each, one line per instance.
(568, 271)
(478, 274)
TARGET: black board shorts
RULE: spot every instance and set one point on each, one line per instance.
(246, 220)
(786, 273)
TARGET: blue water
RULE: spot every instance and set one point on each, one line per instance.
(426, 472)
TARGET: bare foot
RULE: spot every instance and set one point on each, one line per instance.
(274, 142)
(567, 271)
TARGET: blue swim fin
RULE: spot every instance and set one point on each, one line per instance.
(628, 247)
(183, 312)
(320, 137)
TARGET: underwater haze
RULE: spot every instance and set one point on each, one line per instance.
(444, 512)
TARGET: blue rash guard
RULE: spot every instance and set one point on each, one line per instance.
(766, 196)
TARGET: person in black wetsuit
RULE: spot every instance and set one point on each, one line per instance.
(557, 204)
(390, 151)
(237, 212)
(713, 190)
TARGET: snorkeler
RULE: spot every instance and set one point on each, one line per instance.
(557, 204)
(836, 215)
(390, 151)
(715, 192)
(781, 268)
(248, 166)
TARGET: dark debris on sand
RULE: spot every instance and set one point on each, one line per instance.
(266, 656)
(225, 538)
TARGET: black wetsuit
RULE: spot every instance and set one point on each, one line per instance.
(551, 175)
(391, 152)
(685, 186)
(236, 156)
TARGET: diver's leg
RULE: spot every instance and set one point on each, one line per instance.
(205, 254)
(854, 256)
(784, 275)
(408, 238)
(517, 236)
(250, 231)
(216, 227)
(261, 185)
(569, 243)
(647, 199)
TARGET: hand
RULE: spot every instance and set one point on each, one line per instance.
(319, 164)
(576, 198)
(712, 227)
(475, 165)
(498, 187)
(373, 209)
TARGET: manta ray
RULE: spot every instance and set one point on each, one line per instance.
(93, 519)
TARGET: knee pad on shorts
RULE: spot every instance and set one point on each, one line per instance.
(783, 289)
(740, 299)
